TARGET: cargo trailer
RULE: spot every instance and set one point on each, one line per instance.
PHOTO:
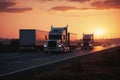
(32, 39)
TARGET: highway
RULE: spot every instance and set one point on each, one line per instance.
(15, 62)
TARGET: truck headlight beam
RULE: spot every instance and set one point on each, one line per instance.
(59, 45)
(45, 45)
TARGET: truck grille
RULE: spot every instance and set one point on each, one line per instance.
(51, 44)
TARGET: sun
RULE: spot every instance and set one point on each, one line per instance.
(99, 33)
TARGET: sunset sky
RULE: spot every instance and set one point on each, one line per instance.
(82, 16)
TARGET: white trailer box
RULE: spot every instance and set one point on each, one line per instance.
(32, 38)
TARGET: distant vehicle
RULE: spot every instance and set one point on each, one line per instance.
(104, 45)
(88, 41)
(32, 39)
(60, 40)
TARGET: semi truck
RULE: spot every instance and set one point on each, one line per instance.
(87, 41)
(32, 39)
(60, 40)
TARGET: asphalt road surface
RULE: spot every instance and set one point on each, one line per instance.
(13, 62)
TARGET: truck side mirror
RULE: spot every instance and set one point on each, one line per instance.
(46, 38)
(64, 37)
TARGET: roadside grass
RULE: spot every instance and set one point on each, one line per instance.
(103, 66)
(13, 46)
(8, 48)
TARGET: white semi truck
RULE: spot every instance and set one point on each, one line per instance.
(88, 41)
(60, 40)
(32, 39)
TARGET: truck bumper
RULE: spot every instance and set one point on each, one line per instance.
(87, 47)
(53, 49)
(26, 48)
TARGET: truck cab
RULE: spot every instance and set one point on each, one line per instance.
(57, 41)
(87, 42)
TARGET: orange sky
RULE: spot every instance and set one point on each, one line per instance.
(82, 16)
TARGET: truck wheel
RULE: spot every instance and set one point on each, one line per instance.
(46, 52)
(62, 52)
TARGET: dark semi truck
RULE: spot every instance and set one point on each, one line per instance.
(60, 40)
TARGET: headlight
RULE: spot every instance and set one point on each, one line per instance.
(81, 44)
(59, 45)
(45, 45)
(90, 45)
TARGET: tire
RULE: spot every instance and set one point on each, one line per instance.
(46, 52)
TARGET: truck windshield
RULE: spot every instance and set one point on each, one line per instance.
(54, 36)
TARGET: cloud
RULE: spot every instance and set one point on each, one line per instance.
(99, 4)
(15, 10)
(67, 8)
(96, 5)
(45, 0)
(64, 8)
(80, 1)
(5, 7)
(108, 4)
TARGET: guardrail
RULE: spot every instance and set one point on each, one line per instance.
(25, 74)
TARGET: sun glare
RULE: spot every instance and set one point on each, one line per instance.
(99, 33)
